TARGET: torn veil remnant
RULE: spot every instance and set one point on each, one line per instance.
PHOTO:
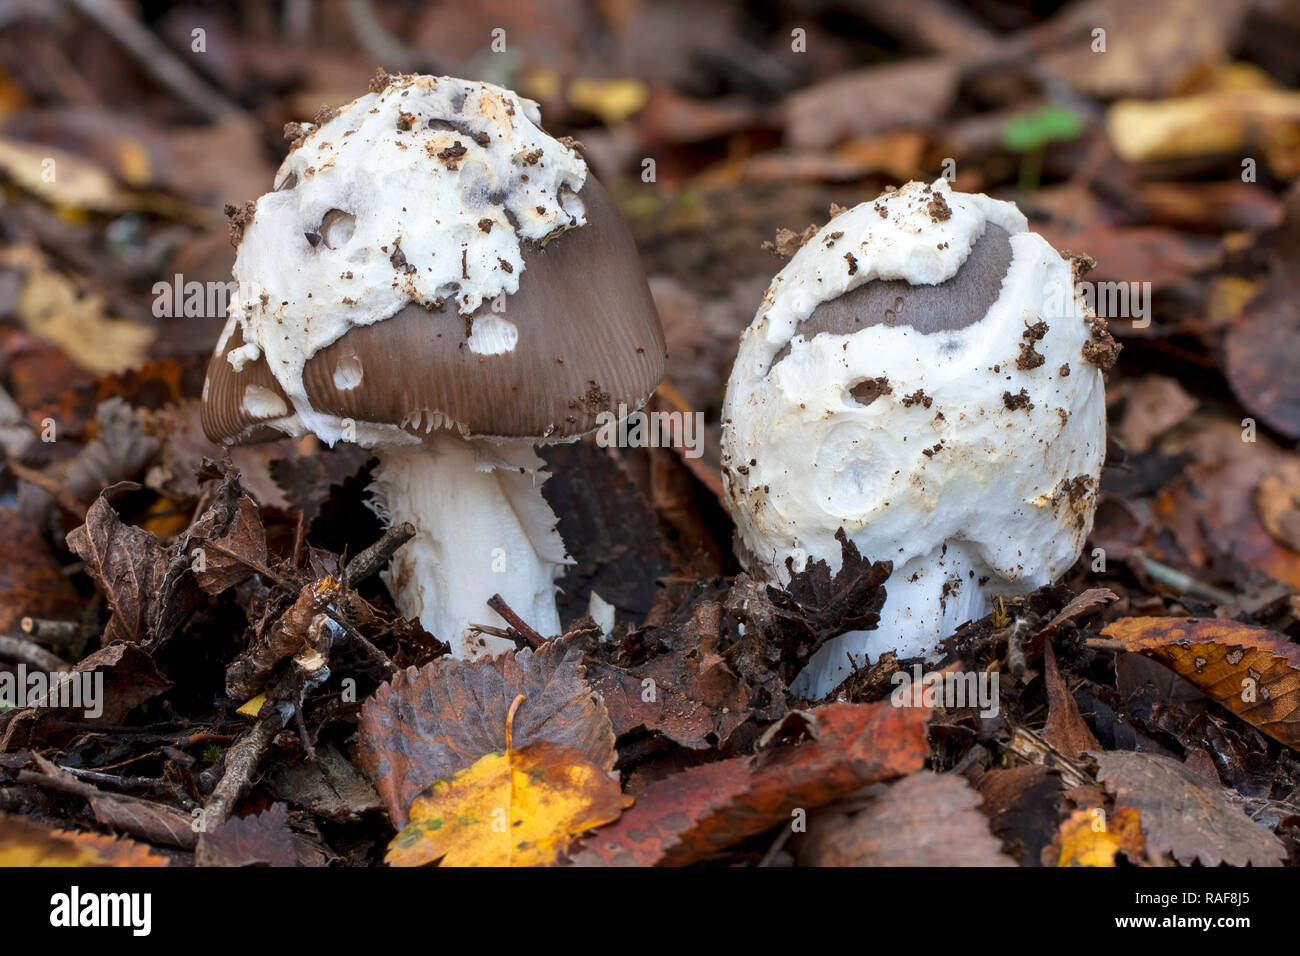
(871, 394)
(437, 278)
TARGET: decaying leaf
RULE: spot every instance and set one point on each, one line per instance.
(153, 589)
(925, 819)
(1277, 500)
(427, 724)
(1252, 671)
(24, 844)
(328, 786)
(259, 839)
(871, 100)
(1155, 404)
(1185, 814)
(1091, 838)
(1066, 729)
(686, 690)
(688, 816)
(33, 585)
(1260, 350)
(511, 808)
(1023, 807)
(129, 678)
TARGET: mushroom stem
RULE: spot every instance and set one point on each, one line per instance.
(482, 528)
(926, 600)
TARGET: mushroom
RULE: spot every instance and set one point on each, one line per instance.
(438, 279)
(923, 374)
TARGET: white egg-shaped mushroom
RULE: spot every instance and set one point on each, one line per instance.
(924, 374)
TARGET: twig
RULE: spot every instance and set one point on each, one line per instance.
(376, 556)
(62, 633)
(497, 603)
(156, 59)
(61, 495)
(241, 763)
(373, 652)
(376, 40)
(776, 846)
(25, 652)
(1163, 574)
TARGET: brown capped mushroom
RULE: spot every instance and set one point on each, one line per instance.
(448, 325)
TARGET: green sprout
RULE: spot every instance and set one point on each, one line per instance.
(1030, 133)
(211, 753)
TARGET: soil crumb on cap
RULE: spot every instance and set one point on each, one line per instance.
(240, 216)
(788, 242)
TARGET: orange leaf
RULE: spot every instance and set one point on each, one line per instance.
(1252, 671)
(24, 844)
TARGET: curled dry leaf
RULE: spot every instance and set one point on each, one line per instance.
(1090, 838)
(24, 844)
(428, 723)
(686, 817)
(1252, 671)
(925, 819)
(130, 677)
(1185, 814)
(1066, 729)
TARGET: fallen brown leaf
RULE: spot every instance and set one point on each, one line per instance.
(1252, 671)
(1065, 730)
(425, 725)
(925, 819)
(1184, 814)
(688, 816)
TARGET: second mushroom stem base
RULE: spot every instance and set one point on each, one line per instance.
(926, 599)
(482, 528)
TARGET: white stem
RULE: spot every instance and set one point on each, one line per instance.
(926, 600)
(482, 528)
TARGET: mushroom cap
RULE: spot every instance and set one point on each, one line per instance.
(919, 375)
(587, 339)
(432, 259)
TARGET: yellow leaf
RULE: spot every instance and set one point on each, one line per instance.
(53, 308)
(252, 707)
(611, 100)
(1089, 838)
(60, 177)
(511, 808)
(1202, 125)
(23, 844)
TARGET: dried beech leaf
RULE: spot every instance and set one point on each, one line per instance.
(426, 724)
(684, 818)
(1185, 814)
(1252, 671)
(925, 819)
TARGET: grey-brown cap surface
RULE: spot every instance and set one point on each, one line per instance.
(588, 341)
